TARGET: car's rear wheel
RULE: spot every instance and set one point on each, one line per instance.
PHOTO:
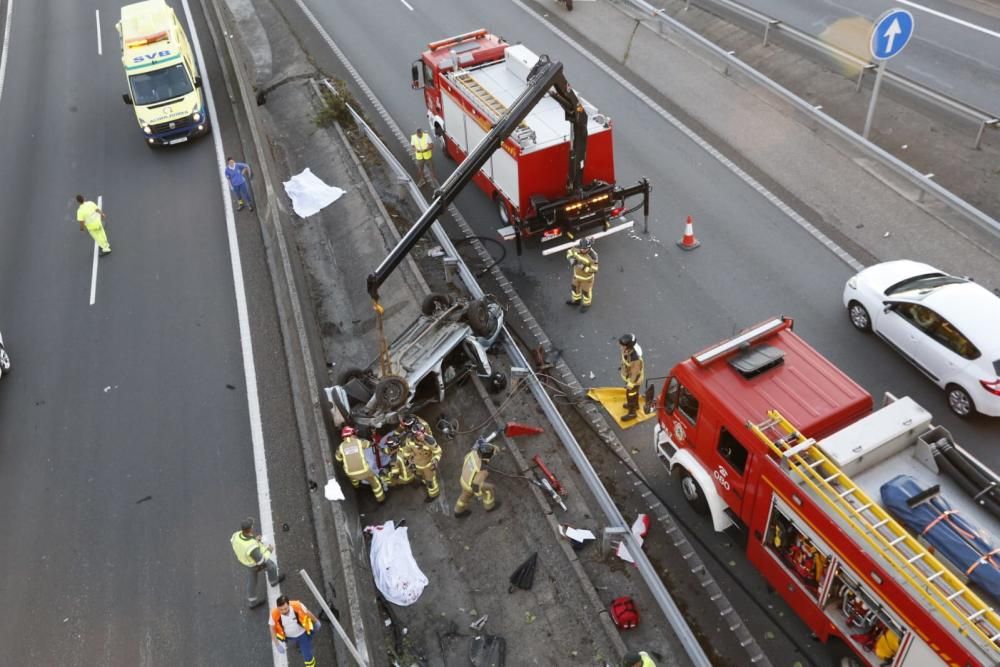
(391, 392)
(860, 318)
(959, 401)
(5, 364)
(479, 318)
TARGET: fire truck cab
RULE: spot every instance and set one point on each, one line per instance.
(767, 435)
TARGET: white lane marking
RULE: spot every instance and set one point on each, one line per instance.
(93, 273)
(6, 43)
(408, 6)
(846, 257)
(949, 17)
(97, 14)
(249, 368)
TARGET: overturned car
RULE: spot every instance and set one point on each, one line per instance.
(436, 352)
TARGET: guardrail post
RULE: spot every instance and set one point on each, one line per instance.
(861, 76)
(767, 28)
(729, 54)
(993, 122)
(920, 195)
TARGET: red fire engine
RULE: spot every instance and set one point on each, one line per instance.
(555, 173)
(767, 435)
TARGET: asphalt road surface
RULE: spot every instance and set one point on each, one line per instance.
(953, 49)
(754, 261)
(125, 458)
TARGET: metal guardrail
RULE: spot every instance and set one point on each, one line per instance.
(922, 181)
(615, 519)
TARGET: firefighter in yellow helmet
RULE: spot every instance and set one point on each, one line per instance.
(351, 454)
(632, 372)
(474, 484)
(583, 259)
(421, 453)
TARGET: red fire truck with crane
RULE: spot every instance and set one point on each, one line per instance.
(555, 174)
(874, 526)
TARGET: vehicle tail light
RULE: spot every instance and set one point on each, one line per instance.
(551, 234)
(617, 211)
(992, 387)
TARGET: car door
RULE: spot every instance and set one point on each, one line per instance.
(944, 352)
(897, 325)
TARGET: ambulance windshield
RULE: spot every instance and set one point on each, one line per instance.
(160, 85)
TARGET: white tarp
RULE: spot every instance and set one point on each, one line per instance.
(309, 194)
(397, 575)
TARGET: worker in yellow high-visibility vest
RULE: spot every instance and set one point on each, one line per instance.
(422, 151)
(254, 555)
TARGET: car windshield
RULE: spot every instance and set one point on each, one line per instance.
(919, 286)
(160, 85)
(996, 367)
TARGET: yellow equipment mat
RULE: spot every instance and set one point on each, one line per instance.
(612, 398)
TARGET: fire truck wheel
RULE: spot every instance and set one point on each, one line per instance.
(391, 392)
(860, 318)
(502, 210)
(693, 494)
(841, 655)
(434, 302)
(442, 143)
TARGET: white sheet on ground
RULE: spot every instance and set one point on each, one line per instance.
(397, 575)
(309, 194)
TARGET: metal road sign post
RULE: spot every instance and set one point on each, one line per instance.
(890, 34)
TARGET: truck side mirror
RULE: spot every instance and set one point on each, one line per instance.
(126, 98)
(415, 70)
(197, 82)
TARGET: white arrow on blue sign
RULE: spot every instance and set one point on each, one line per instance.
(891, 33)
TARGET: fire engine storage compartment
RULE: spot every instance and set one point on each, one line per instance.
(894, 441)
(533, 161)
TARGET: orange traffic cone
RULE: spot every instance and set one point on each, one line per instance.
(688, 241)
(514, 429)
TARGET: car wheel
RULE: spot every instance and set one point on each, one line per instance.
(959, 401)
(434, 302)
(479, 318)
(692, 493)
(391, 392)
(841, 655)
(860, 318)
(5, 364)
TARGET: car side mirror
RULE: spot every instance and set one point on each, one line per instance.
(126, 98)
(415, 82)
(888, 305)
(197, 82)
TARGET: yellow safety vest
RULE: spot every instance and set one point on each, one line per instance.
(422, 146)
(242, 546)
(352, 454)
(470, 468)
(646, 660)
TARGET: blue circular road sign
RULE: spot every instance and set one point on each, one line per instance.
(891, 33)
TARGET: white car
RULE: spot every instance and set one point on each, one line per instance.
(948, 327)
(4, 359)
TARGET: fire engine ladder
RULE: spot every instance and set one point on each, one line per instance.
(900, 550)
(484, 96)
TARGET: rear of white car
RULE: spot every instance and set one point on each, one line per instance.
(945, 325)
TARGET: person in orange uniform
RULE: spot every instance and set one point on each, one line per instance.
(291, 621)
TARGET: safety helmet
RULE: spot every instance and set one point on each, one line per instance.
(628, 340)
(348, 431)
(408, 420)
(392, 440)
(485, 449)
(586, 244)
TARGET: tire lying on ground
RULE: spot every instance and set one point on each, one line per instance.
(391, 392)
(435, 301)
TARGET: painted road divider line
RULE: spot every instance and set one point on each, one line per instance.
(97, 15)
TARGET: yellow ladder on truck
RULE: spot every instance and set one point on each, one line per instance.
(485, 97)
(904, 553)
